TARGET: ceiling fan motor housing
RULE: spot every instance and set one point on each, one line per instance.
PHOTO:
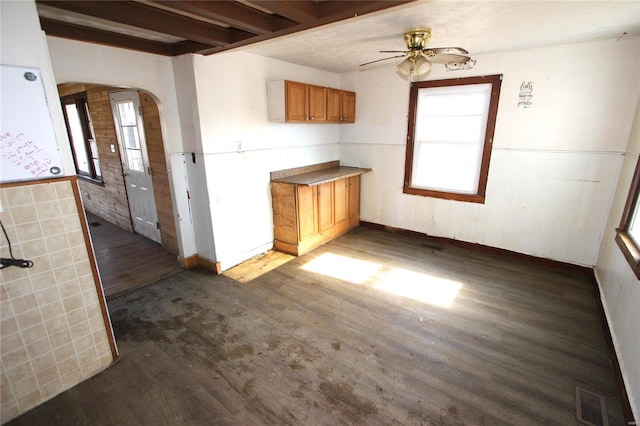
(417, 39)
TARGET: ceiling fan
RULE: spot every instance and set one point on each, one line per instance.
(419, 58)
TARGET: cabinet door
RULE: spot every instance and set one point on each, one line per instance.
(296, 101)
(354, 200)
(317, 103)
(348, 107)
(325, 206)
(334, 105)
(307, 212)
(341, 206)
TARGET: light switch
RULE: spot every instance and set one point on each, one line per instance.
(113, 148)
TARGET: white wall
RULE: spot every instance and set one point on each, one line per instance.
(553, 168)
(77, 62)
(24, 44)
(232, 102)
(619, 287)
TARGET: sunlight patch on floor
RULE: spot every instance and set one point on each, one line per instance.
(418, 286)
(344, 268)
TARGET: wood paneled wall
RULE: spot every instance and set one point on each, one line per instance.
(109, 200)
(159, 173)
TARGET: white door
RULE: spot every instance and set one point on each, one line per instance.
(127, 116)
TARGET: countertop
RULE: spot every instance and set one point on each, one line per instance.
(323, 176)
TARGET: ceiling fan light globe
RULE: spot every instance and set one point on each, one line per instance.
(404, 68)
(422, 67)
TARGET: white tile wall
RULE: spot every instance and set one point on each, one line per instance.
(52, 333)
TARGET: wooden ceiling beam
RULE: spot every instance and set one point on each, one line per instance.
(183, 47)
(332, 13)
(348, 9)
(233, 14)
(299, 11)
(92, 35)
(153, 19)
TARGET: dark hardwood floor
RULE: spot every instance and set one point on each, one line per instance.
(414, 333)
(127, 261)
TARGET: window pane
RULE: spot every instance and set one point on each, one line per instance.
(449, 135)
(127, 113)
(134, 160)
(77, 139)
(455, 129)
(130, 135)
(634, 225)
(89, 121)
(447, 167)
(96, 165)
(454, 100)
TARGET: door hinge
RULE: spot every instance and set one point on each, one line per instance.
(149, 170)
(140, 110)
(157, 225)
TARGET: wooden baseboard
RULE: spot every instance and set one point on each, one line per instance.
(527, 258)
(613, 356)
(195, 260)
(188, 262)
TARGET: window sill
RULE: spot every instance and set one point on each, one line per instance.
(629, 250)
(471, 198)
(91, 180)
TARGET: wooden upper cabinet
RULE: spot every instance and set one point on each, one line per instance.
(317, 103)
(348, 103)
(334, 110)
(341, 106)
(295, 102)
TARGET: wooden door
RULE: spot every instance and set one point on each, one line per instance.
(307, 211)
(341, 206)
(325, 206)
(127, 116)
(354, 200)
(334, 107)
(317, 103)
(348, 106)
(296, 101)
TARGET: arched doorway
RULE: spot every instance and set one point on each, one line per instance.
(101, 159)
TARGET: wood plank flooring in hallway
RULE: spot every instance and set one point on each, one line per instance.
(127, 261)
(372, 328)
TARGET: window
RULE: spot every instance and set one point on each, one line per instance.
(628, 234)
(81, 135)
(451, 124)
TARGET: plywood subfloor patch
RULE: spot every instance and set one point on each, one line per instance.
(257, 266)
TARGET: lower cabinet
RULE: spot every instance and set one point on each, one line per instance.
(305, 217)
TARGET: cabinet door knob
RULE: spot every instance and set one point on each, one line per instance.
(306, 118)
(313, 118)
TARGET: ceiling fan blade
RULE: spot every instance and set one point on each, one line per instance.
(445, 58)
(380, 60)
(448, 50)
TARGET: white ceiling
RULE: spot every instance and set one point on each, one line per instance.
(479, 26)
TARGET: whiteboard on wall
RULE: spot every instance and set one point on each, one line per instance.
(28, 147)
